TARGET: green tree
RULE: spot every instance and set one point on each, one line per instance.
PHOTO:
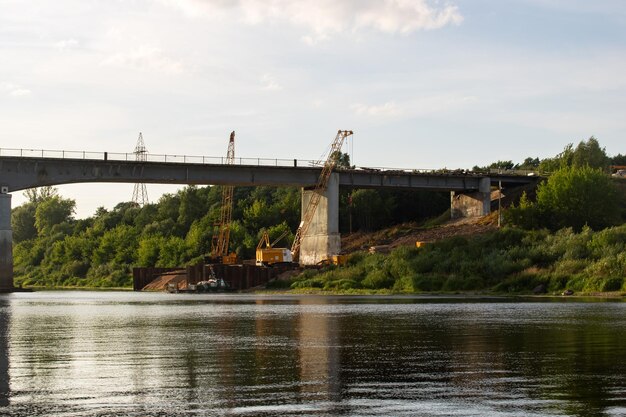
(590, 153)
(341, 159)
(23, 222)
(53, 211)
(529, 164)
(575, 196)
(37, 195)
(587, 153)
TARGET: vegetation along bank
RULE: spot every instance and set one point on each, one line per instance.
(567, 234)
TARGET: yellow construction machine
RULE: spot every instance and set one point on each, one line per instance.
(267, 254)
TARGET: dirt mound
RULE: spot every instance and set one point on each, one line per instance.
(407, 234)
(160, 283)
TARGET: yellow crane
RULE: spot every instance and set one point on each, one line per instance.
(267, 254)
(320, 187)
(221, 237)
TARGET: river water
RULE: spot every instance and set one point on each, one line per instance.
(144, 354)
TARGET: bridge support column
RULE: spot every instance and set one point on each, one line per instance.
(474, 204)
(322, 238)
(6, 244)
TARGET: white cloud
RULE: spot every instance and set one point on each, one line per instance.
(269, 83)
(145, 58)
(66, 44)
(324, 18)
(441, 104)
(14, 90)
(386, 110)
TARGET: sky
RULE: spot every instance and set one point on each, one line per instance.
(423, 84)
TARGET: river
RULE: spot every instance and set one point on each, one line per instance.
(74, 353)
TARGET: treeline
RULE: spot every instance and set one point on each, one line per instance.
(586, 153)
(53, 249)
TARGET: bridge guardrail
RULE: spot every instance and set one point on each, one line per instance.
(217, 160)
(130, 156)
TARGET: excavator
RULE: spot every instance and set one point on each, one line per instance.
(219, 243)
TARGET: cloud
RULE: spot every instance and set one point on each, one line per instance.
(145, 58)
(386, 110)
(66, 44)
(14, 90)
(324, 18)
(269, 83)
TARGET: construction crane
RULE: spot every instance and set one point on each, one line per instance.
(221, 237)
(267, 254)
(320, 188)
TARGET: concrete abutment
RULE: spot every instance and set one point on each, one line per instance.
(475, 204)
(322, 238)
(6, 244)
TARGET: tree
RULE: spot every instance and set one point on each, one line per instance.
(529, 164)
(618, 159)
(23, 222)
(575, 196)
(37, 195)
(587, 153)
(341, 159)
(53, 211)
(590, 154)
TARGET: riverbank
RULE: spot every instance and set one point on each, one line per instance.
(506, 261)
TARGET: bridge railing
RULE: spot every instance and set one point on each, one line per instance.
(183, 159)
(220, 160)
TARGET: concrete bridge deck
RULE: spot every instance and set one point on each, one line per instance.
(22, 172)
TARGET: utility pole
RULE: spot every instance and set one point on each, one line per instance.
(140, 193)
(499, 203)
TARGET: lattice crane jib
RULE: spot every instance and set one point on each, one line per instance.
(320, 188)
(140, 192)
(221, 238)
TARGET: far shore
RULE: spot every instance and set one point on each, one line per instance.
(616, 295)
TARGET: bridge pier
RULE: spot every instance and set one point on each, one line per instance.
(6, 244)
(322, 238)
(474, 204)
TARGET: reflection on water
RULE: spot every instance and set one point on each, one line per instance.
(94, 354)
(4, 353)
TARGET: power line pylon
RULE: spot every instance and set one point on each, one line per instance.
(140, 193)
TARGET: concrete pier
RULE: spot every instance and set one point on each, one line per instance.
(475, 204)
(6, 244)
(322, 238)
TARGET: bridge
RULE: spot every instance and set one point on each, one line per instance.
(26, 168)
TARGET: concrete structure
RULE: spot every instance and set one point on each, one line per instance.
(6, 244)
(469, 198)
(473, 204)
(322, 237)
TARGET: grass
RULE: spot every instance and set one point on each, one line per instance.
(509, 260)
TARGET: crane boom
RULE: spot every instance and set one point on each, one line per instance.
(320, 187)
(219, 243)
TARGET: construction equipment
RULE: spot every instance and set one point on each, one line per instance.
(267, 254)
(221, 237)
(337, 260)
(320, 187)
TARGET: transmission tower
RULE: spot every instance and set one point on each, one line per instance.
(140, 193)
